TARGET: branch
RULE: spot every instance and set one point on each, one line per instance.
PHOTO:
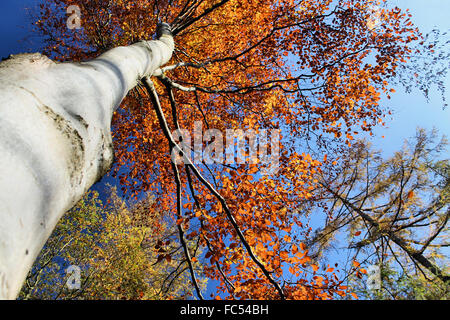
(178, 28)
(149, 86)
(414, 254)
(154, 97)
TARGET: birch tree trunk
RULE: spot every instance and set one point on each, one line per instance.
(55, 140)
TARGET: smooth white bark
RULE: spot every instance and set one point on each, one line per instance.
(55, 141)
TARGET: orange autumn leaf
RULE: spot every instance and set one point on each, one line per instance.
(302, 246)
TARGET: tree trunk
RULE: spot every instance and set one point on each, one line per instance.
(55, 140)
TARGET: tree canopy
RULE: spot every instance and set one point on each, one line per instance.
(123, 252)
(315, 70)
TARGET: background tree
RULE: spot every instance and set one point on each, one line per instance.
(314, 69)
(124, 252)
(390, 212)
(398, 286)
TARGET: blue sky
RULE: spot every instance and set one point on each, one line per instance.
(15, 27)
(412, 110)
